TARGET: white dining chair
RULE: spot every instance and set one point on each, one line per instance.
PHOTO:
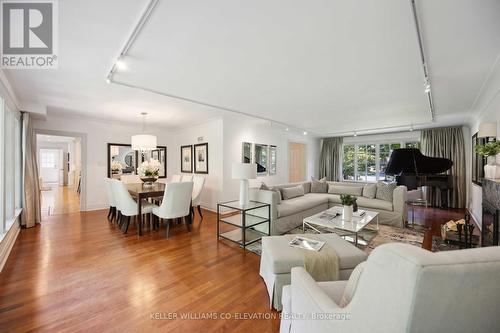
(127, 205)
(176, 204)
(198, 183)
(187, 178)
(176, 179)
(111, 199)
(130, 179)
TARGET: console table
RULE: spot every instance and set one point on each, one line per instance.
(247, 222)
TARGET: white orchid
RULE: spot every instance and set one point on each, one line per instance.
(116, 166)
(149, 169)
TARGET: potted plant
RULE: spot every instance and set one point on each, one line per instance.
(149, 171)
(347, 206)
(489, 150)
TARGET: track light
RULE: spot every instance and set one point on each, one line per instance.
(120, 64)
(355, 134)
(287, 129)
(411, 128)
(427, 86)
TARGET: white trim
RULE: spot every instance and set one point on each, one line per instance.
(7, 242)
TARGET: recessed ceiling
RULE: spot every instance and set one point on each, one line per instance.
(322, 65)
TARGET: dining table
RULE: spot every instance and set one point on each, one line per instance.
(141, 192)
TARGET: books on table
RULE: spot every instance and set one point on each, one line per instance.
(307, 243)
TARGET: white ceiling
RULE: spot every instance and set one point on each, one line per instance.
(322, 65)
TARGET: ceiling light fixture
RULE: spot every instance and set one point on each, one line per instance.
(411, 128)
(108, 80)
(427, 86)
(143, 142)
(120, 63)
(305, 133)
(287, 129)
(355, 134)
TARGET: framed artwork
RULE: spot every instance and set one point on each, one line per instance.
(261, 158)
(121, 160)
(201, 158)
(187, 159)
(272, 160)
(478, 161)
(246, 152)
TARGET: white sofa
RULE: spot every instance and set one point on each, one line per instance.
(402, 288)
(290, 213)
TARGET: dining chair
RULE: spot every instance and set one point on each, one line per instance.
(176, 204)
(198, 183)
(176, 179)
(130, 179)
(128, 206)
(187, 178)
(111, 199)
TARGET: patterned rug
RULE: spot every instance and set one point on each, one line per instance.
(368, 239)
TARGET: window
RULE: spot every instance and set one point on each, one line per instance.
(367, 162)
(47, 158)
(18, 164)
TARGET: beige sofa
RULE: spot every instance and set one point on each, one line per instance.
(289, 214)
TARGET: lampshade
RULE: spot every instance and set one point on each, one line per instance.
(487, 130)
(143, 142)
(244, 171)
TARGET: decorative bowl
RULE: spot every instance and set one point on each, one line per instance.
(148, 181)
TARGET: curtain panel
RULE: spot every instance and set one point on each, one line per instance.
(448, 143)
(329, 158)
(31, 214)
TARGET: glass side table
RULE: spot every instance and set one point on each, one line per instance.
(246, 223)
(416, 202)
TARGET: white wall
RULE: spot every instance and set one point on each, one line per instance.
(239, 129)
(98, 134)
(210, 132)
(488, 108)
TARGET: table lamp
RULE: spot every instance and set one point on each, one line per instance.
(244, 172)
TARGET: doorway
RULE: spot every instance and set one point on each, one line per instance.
(297, 157)
(59, 163)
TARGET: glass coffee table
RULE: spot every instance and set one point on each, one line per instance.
(331, 220)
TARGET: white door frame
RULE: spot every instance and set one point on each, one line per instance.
(83, 157)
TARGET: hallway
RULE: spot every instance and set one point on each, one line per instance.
(59, 200)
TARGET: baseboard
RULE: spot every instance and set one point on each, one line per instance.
(7, 243)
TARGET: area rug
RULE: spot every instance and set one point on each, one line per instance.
(369, 239)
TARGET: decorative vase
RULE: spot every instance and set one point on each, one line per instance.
(492, 171)
(149, 181)
(347, 213)
(490, 160)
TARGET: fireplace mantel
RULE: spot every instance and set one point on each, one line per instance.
(491, 212)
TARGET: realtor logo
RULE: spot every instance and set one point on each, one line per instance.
(29, 34)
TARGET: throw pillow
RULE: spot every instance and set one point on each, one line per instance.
(370, 190)
(352, 284)
(385, 191)
(319, 186)
(292, 192)
(352, 190)
(263, 186)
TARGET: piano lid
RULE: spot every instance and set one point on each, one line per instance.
(411, 161)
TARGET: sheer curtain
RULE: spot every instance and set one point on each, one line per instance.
(447, 142)
(31, 187)
(329, 158)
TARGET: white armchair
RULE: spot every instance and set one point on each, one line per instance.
(402, 288)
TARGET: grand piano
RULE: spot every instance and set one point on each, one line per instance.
(413, 169)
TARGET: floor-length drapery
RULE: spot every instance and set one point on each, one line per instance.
(329, 159)
(31, 187)
(447, 142)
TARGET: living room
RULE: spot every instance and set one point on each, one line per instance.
(250, 167)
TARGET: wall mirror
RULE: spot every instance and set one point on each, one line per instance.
(246, 152)
(272, 160)
(121, 160)
(261, 158)
(159, 154)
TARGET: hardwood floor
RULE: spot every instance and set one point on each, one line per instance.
(59, 200)
(76, 272)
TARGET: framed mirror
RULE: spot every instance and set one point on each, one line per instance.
(272, 160)
(246, 152)
(159, 154)
(261, 158)
(122, 160)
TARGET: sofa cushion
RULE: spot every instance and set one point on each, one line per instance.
(339, 189)
(288, 193)
(282, 257)
(375, 203)
(299, 204)
(385, 191)
(319, 186)
(370, 190)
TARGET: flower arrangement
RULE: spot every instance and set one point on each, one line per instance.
(116, 167)
(347, 200)
(149, 169)
(489, 149)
